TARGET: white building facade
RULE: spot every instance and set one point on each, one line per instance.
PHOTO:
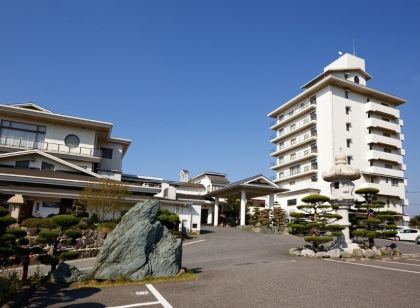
(337, 113)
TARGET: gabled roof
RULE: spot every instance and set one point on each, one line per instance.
(215, 177)
(254, 186)
(31, 106)
(54, 158)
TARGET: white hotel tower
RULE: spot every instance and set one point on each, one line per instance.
(338, 113)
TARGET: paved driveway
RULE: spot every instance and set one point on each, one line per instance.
(241, 269)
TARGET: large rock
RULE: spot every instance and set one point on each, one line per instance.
(66, 274)
(140, 246)
(334, 253)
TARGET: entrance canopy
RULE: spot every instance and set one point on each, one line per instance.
(252, 187)
(256, 186)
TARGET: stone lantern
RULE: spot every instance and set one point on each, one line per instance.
(15, 203)
(341, 177)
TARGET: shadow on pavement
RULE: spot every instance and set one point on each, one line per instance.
(55, 295)
(196, 270)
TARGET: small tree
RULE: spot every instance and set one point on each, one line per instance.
(6, 239)
(278, 220)
(54, 236)
(369, 220)
(107, 197)
(169, 219)
(415, 221)
(315, 221)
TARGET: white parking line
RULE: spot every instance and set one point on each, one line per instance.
(393, 262)
(374, 266)
(160, 300)
(189, 243)
(159, 296)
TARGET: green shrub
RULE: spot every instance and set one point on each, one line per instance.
(68, 255)
(318, 239)
(17, 232)
(47, 236)
(168, 219)
(41, 223)
(73, 234)
(9, 285)
(65, 221)
(6, 221)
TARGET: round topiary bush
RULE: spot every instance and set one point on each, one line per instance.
(40, 223)
(68, 255)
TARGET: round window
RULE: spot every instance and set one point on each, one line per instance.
(72, 141)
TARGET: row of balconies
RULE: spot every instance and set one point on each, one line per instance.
(294, 143)
(374, 154)
(293, 114)
(305, 154)
(302, 171)
(372, 122)
(375, 107)
(375, 138)
(16, 143)
(294, 128)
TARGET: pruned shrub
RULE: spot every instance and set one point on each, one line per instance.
(41, 223)
(68, 255)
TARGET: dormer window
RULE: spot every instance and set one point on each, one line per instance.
(356, 79)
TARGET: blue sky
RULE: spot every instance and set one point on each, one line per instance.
(191, 82)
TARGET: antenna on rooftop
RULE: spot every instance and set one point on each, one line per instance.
(354, 49)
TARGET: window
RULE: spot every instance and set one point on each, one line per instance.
(348, 126)
(313, 115)
(47, 166)
(291, 113)
(106, 153)
(301, 105)
(312, 100)
(281, 130)
(388, 166)
(293, 141)
(386, 150)
(291, 202)
(348, 142)
(281, 175)
(370, 163)
(22, 164)
(292, 183)
(313, 131)
(292, 127)
(385, 119)
(292, 156)
(386, 134)
(346, 76)
(367, 99)
(281, 159)
(281, 145)
(371, 179)
(314, 178)
(22, 134)
(336, 185)
(346, 94)
(370, 131)
(349, 159)
(72, 141)
(348, 109)
(394, 182)
(294, 170)
(356, 79)
(281, 117)
(370, 147)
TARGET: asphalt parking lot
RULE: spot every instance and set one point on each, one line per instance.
(241, 269)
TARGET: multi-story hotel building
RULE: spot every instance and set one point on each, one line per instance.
(337, 113)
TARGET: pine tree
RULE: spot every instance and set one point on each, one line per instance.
(278, 221)
(369, 220)
(315, 221)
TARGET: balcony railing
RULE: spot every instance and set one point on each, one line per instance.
(294, 127)
(293, 113)
(304, 169)
(297, 156)
(48, 147)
